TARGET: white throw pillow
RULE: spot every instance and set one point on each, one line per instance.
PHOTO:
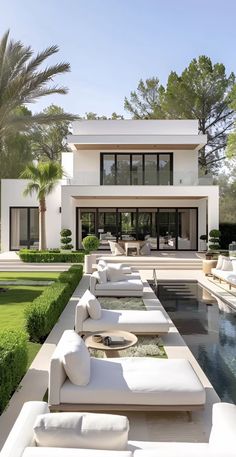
(112, 246)
(102, 275)
(81, 430)
(115, 275)
(76, 360)
(220, 262)
(102, 263)
(119, 250)
(227, 265)
(93, 305)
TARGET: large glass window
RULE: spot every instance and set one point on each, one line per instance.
(24, 228)
(166, 221)
(136, 169)
(109, 172)
(187, 230)
(107, 227)
(123, 169)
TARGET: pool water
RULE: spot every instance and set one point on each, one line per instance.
(208, 326)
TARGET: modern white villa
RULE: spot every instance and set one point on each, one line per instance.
(124, 180)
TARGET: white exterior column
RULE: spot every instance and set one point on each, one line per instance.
(213, 209)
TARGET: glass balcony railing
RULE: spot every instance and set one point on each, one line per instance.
(179, 179)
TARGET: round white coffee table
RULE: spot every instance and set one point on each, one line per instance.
(111, 351)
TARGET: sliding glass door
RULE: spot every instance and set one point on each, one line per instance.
(166, 229)
(24, 228)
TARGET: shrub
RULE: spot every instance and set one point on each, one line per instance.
(214, 239)
(51, 256)
(66, 239)
(13, 363)
(90, 243)
(43, 313)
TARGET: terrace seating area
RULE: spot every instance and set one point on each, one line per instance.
(225, 271)
(38, 433)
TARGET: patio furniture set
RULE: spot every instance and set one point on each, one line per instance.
(79, 382)
(225, 270)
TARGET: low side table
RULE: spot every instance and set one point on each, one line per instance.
(111, 351)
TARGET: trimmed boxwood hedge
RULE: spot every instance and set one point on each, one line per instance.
(51, 257)
(43, 313)
(13, 363)
(228, 234)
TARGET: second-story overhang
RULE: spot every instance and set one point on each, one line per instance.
(140, 192)
(136, 142)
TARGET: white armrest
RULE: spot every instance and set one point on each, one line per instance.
(57, 374)
(223, 426)
(21, 434)
(81, 314)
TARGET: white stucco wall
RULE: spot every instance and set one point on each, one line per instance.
(12, 195)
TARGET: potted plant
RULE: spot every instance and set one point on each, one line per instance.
(66, 239)
(214, 240)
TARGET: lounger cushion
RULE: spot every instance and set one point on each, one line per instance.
(76, 359)
(81, 430)
(137, 380)
(130, 284)
(131, 321)
(118, 266)
(227, 265)
(183, 450)
(62, 452)
(93, 305)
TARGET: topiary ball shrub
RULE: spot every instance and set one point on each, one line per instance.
(90, 243)
(214, 240)
(66, 239)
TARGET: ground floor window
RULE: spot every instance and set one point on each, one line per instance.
(24, 228)
(164, 228)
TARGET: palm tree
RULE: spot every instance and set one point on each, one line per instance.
(43, 176)
(22, 81)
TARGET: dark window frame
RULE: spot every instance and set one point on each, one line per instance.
(28, 224)
(157, 210)
(142, 154)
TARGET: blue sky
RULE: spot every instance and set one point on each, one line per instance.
(111, 44)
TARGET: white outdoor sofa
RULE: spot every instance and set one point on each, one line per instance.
(90, 317)
(115, 281)
(79, 382)
(106, 435)
(227, 275)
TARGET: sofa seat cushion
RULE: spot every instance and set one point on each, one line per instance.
(76, 359)
(221, 274)
(72, 452)
(81, 430)
(137, 380)
(232, 279)
(129, 284)
(133, 321)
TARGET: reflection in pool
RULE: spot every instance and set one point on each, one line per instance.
(208, 326)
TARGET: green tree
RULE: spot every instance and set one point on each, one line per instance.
(231, 140)
(43, 178)
(15, 152)
(48, 141)
(203, 91)
(22, 82)
(90, 116)
(147, 101)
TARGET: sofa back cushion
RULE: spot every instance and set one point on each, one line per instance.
(76, 359)
(227, 265)
(220, 262)
(115, 274)
(119, 250)
(93, 305)
(82, 430)
(101, 274)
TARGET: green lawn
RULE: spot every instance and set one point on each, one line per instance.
(14, 301)
(36, 276)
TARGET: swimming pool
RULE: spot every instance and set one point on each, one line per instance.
(208, 326)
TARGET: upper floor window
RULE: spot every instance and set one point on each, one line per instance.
(137, 169)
